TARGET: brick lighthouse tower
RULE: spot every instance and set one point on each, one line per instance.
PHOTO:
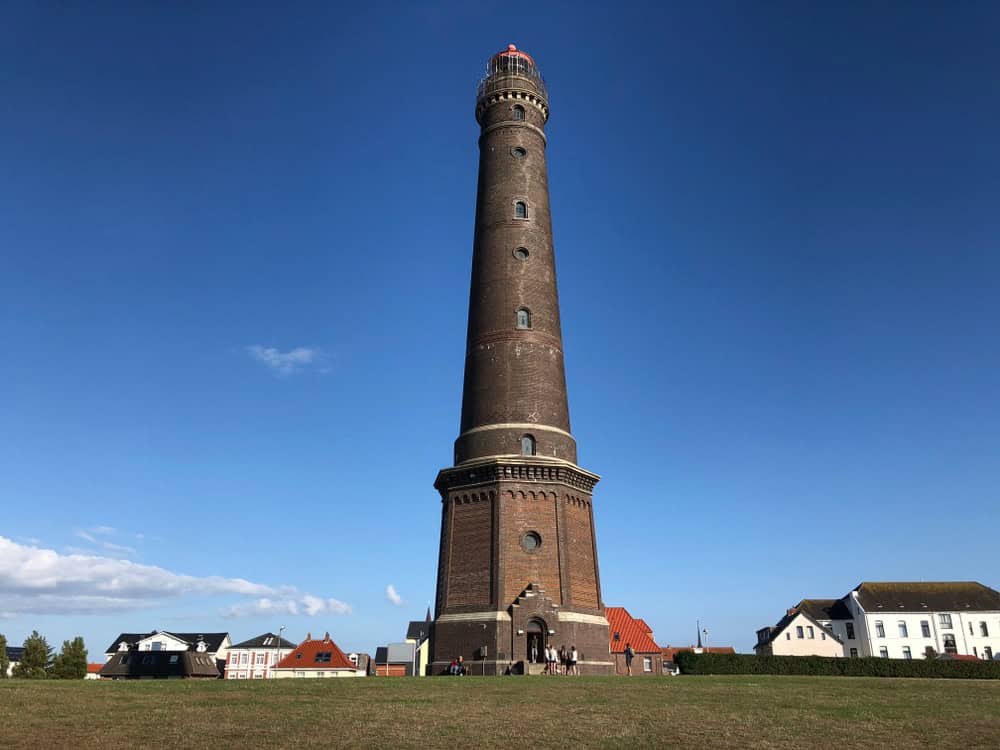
(518, 560)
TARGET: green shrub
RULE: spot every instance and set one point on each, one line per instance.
(692, 663)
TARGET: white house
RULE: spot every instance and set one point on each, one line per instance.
(905, 620)
(798, 633)
(253, 659)
(215, 645)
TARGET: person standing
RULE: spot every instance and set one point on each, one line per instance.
(629, 655)
(573, 657)
(563, 660)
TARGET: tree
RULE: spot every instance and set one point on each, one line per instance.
(71, 664)
(36, 658)
(4, 660)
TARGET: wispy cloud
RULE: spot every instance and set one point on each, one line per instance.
(292, 361)
(306, 604)
(393, 596)
(43, 581)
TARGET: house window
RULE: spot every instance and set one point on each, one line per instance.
(974, 652)
(523, 318)
(173, 658)
(321, 674)
(520, 210)
(798, 632)
(260, 658)
(879, 629)
(883, 652)
(984, 631)
(300, 674)
(854, 653)
(788, 636)
(809, 629)
(949, 643)
(618, 636)
(822, 636)
(925, 629)
(850, 631)
(323, 656)
(527, 445)
(971, 632)
(157, 646)
(244, 658)
(945, 621)
(518, 112)
(987, 652)
(647, 664)
(903, 631)
(906, 653)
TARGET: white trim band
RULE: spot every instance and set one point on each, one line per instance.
(516, 426)
(580, 617)
(474, 617)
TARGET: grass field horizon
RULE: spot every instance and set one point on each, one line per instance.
(737, 711)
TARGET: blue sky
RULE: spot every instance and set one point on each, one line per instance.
(235, 248)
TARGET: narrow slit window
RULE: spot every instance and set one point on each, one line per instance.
(520, 210)
(523, 318)
(518, 112)
(527, 445)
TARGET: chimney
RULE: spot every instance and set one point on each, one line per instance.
(309, 636)
(791, 611)
(326, 638)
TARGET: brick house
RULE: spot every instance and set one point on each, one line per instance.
(316, 659)
(626, 630)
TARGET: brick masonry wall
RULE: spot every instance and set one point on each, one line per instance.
(521, 511)
(472, 536)
(583, 590)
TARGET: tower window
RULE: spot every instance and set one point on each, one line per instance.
(518, 112)
(527, 445)
(518, 153)
(520, 210)
(521, 253)
(523, 318)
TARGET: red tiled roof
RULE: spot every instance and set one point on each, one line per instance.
(958, 657)
(305, 654)
(630, 630)
(94, 668)
(670, 651)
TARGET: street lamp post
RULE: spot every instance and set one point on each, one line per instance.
(277, 651)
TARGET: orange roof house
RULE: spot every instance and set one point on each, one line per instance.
(626, 630)
(316, 658)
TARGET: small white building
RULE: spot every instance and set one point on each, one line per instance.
(909, 620)
(797, 634)
(254, 659)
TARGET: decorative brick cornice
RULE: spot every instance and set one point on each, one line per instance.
(536, 469)
(525, 95)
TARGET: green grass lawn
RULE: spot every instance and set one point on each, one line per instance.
(470, 712)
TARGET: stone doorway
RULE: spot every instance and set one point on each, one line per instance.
(535, 633)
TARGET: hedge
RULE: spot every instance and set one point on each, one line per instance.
(692, 663)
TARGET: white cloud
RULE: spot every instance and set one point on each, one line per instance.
(85, 535)
(305, 604)
(287, 363)
(103, 530)
(37, 580)
(393, 596)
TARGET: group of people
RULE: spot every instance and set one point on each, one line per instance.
(561, 660)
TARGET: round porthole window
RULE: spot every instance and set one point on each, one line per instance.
(518, 153)
(521, 253)
(531, 541)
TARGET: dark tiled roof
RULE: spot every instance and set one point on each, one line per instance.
(14, 653)
(418, 630)
(135, 664)
(630, 630)
(920, 597)
(306, 654)
(825, 609)
(258, 642)
(212, 640)
(779, 627)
